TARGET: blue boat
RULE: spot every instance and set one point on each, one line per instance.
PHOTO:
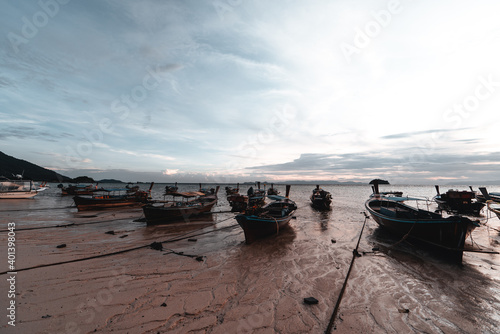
(447, 233)
(267, 220)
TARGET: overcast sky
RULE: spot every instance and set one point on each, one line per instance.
(239, 90)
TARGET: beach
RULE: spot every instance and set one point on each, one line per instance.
(205, 279)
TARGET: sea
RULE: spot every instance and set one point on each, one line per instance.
(394, 286)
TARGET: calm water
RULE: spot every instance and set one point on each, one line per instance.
(308, 259)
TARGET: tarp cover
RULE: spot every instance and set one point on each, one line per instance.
(187, 194)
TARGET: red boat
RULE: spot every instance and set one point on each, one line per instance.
(459, 202)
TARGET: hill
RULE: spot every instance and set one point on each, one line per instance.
(110, 181)
(10, 166)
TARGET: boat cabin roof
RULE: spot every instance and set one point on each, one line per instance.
(113, 189)
(187, 194)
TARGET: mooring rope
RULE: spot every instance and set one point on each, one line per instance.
(404, 237)
(39, 209)
(64, 225)
(339, 299)
(178, 238)
(87, 223)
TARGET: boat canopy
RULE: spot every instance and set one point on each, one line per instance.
(113, 189)
(187, 194)
(276, 197)
(15, 185)
(402, 199)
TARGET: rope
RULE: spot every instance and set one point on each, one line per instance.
(56, 208)
(404, 237)
(275, 220)
(87, 223)
(339, 299)
(186, 236)
(446, 247)
(63, 225)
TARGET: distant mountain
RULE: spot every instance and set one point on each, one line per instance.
(83, 179)
(110, 181)
(321, 182)
(471, 183)
(10, 166)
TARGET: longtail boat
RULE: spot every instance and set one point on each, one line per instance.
(18, 189)
(113, 198)
(190, 204)
(321, 199)
(267, 220)
(272, 190)
(77, 189)
(256, 197)
(493, 205)
(459, 202)
(238, 202)
(232, 191)
(171, 189)
(447, 233)
(493, 196)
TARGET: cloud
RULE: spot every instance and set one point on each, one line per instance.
(169, 67)
(402, 166)
(416, 133)
(141, 154)
(23, 132)
(5, 82)
(170, 171)
(223, 77)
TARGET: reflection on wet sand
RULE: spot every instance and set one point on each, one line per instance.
(413, 290)
(323, 217)
(272, 243)
(175, 229)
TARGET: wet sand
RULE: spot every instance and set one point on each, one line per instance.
(230, 287)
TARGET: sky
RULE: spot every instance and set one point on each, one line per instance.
(238, 90)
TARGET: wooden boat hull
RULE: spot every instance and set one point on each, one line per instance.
(18, 194)
(87, 203)
(495, 197)
(447, 233)
(17, 189)
(321, 203)
(256, 227)
(237, 202)
(163, 215)
(321, 199)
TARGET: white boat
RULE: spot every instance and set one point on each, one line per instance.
(15, 189)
